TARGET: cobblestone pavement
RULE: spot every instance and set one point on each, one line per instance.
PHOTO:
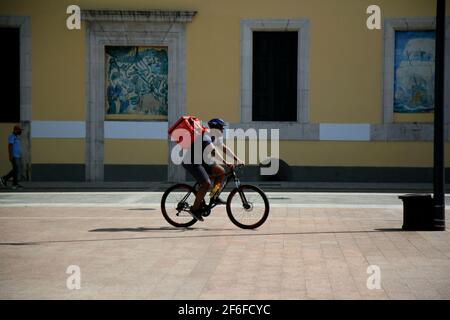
(313, 246)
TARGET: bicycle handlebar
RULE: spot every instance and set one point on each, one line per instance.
(234, 168)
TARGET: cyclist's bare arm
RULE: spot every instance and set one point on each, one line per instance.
(235, 157)
(218, 157)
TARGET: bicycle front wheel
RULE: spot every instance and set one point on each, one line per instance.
(247, 207)
(175, 204)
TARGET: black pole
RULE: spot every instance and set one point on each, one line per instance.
(439, 168)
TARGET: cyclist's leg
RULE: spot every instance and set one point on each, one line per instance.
(217, 171)
(199, 173)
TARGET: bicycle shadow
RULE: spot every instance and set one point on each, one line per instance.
(145, 229)
(137, 229)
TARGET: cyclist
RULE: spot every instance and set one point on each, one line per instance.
(202, 171)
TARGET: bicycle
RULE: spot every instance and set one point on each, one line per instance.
(242, 203)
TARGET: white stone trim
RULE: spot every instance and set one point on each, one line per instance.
(345, 131)
(136, 130)
(388, 130)
(126, 33)
(58, 129)
(390, 26)
(138, 16)
(402, 132)
(288, 131)
(298, 24)
(157, 130)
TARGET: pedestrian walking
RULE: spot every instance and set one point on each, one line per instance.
(15, 154)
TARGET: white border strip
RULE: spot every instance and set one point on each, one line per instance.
(158, 130)
(135, 130)
(344, 132)
(58, 129)
(113, 129)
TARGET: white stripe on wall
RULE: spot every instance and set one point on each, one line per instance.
(344, 132)
(158, 130)
(58, 129)
(136, 130)
(112, 129)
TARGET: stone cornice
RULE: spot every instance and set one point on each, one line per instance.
(138, 16)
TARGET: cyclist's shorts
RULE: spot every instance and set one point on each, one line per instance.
(200, 172)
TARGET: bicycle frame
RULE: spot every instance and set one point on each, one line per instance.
(231, 175)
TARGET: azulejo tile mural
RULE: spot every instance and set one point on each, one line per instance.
(136, 82)
(414, 71)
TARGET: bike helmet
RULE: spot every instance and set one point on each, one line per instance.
(217, 123)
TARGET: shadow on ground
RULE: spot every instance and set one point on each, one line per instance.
(142, 229)
(139, 229)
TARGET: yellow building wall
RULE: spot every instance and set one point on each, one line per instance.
(127, 151)
(353, 153)
(346, 66)
(5, 130)
(57, 60)
(69, 151)
(376, 154)
(405, 117)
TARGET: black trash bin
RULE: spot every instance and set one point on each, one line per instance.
(417, 212)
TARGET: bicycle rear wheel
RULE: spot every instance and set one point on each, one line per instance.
(247, 207)
(175, 204)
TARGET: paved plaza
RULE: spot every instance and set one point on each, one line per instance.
(313, 246)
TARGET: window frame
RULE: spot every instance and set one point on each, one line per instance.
(302, 27)
(388, 130)
(390, 27)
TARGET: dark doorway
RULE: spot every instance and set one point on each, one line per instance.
(10, 56)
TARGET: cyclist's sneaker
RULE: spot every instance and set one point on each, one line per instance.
(219, 200)
(197, 214)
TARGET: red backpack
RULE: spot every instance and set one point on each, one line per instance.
(188, 127)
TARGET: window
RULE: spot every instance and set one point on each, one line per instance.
(10, 56)
(275, 74)
(274, 90)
